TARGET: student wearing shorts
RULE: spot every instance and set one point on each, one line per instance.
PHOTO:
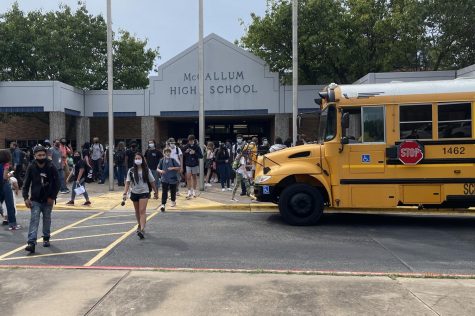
(141, 182)
(192, 155)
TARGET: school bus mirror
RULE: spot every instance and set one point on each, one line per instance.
(345, 120)
(345, 140)
(318, 101)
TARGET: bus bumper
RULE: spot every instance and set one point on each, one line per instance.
(264, 193)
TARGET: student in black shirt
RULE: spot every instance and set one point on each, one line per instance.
(153, 156)
(43, 179)
(79, 177)
(130, 154)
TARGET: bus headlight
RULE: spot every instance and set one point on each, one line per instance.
(261, 179)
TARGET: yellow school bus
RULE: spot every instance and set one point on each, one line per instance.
(380, 146)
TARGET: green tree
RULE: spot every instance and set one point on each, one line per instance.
(70, 47)
(342, 40)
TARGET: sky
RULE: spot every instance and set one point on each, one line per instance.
(170, 24)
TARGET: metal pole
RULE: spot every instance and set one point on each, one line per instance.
(202, 96)
(295, 71)
(110, 87)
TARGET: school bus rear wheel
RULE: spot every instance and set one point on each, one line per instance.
(301, 204)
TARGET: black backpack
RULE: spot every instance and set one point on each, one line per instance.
(119, 157)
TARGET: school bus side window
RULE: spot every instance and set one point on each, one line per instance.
(353, 132)
(415, 121)
(366, 125)
(373, 124)
(455, 120)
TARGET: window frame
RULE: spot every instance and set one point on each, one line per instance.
(454, 121)
(430, 105)
(362, 124)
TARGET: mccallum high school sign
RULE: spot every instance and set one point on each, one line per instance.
(223, 82)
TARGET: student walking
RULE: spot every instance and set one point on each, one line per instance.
(176, 154)
(119, 160)
(43, 179)
(97, 154)
(243, 170)
(168, 169)
(6, 193)
(57, 160)
(192, 155)
(78, 175)
(153, 156)
(141, 182)
(223, 166)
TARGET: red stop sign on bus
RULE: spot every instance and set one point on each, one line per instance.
(410, 152)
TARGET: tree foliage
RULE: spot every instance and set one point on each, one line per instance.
(70, 47)
(342, 40)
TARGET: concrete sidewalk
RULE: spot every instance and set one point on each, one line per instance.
(104, 200)
(129, 292)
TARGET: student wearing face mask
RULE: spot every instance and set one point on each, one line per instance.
(264, 148)
(168, 169)
(141, 182)
(238, 147)
(153, 156)
(57, 160)
(176, 154)
(43, 180)
(78, 175)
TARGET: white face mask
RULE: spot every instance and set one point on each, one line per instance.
(152, 145)
(265, 143)
(172, 145)
(239, 140)
(138, 162)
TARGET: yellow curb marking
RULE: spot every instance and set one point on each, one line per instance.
(50, 254)
(53, 234)
(89, 236)
(100, 225)
(116, 242)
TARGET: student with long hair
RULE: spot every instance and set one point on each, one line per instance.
(141, 182)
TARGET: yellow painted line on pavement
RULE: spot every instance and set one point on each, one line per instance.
(51, 254)
(88, 236)
(116, 242)
(101, 225)
(54, 233)
(114, 216)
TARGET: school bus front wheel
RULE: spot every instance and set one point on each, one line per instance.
(301, 204)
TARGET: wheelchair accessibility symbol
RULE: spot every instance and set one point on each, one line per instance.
(365, 158)
(266, 189)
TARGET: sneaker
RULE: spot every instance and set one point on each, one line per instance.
(30, 247)
(208, 185)
(173, 204)
(4, 222)
(229, 189)
(64, 191)
(162, 208)
(87, 203)
(194, 195)
(70, 203)
(46, 242)
(253, 197)
(223, 189)
(141, 234)
(188, 196)
(234, 200)
(16, 227)
(178, 194)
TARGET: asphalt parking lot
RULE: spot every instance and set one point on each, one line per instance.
(233, 240)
